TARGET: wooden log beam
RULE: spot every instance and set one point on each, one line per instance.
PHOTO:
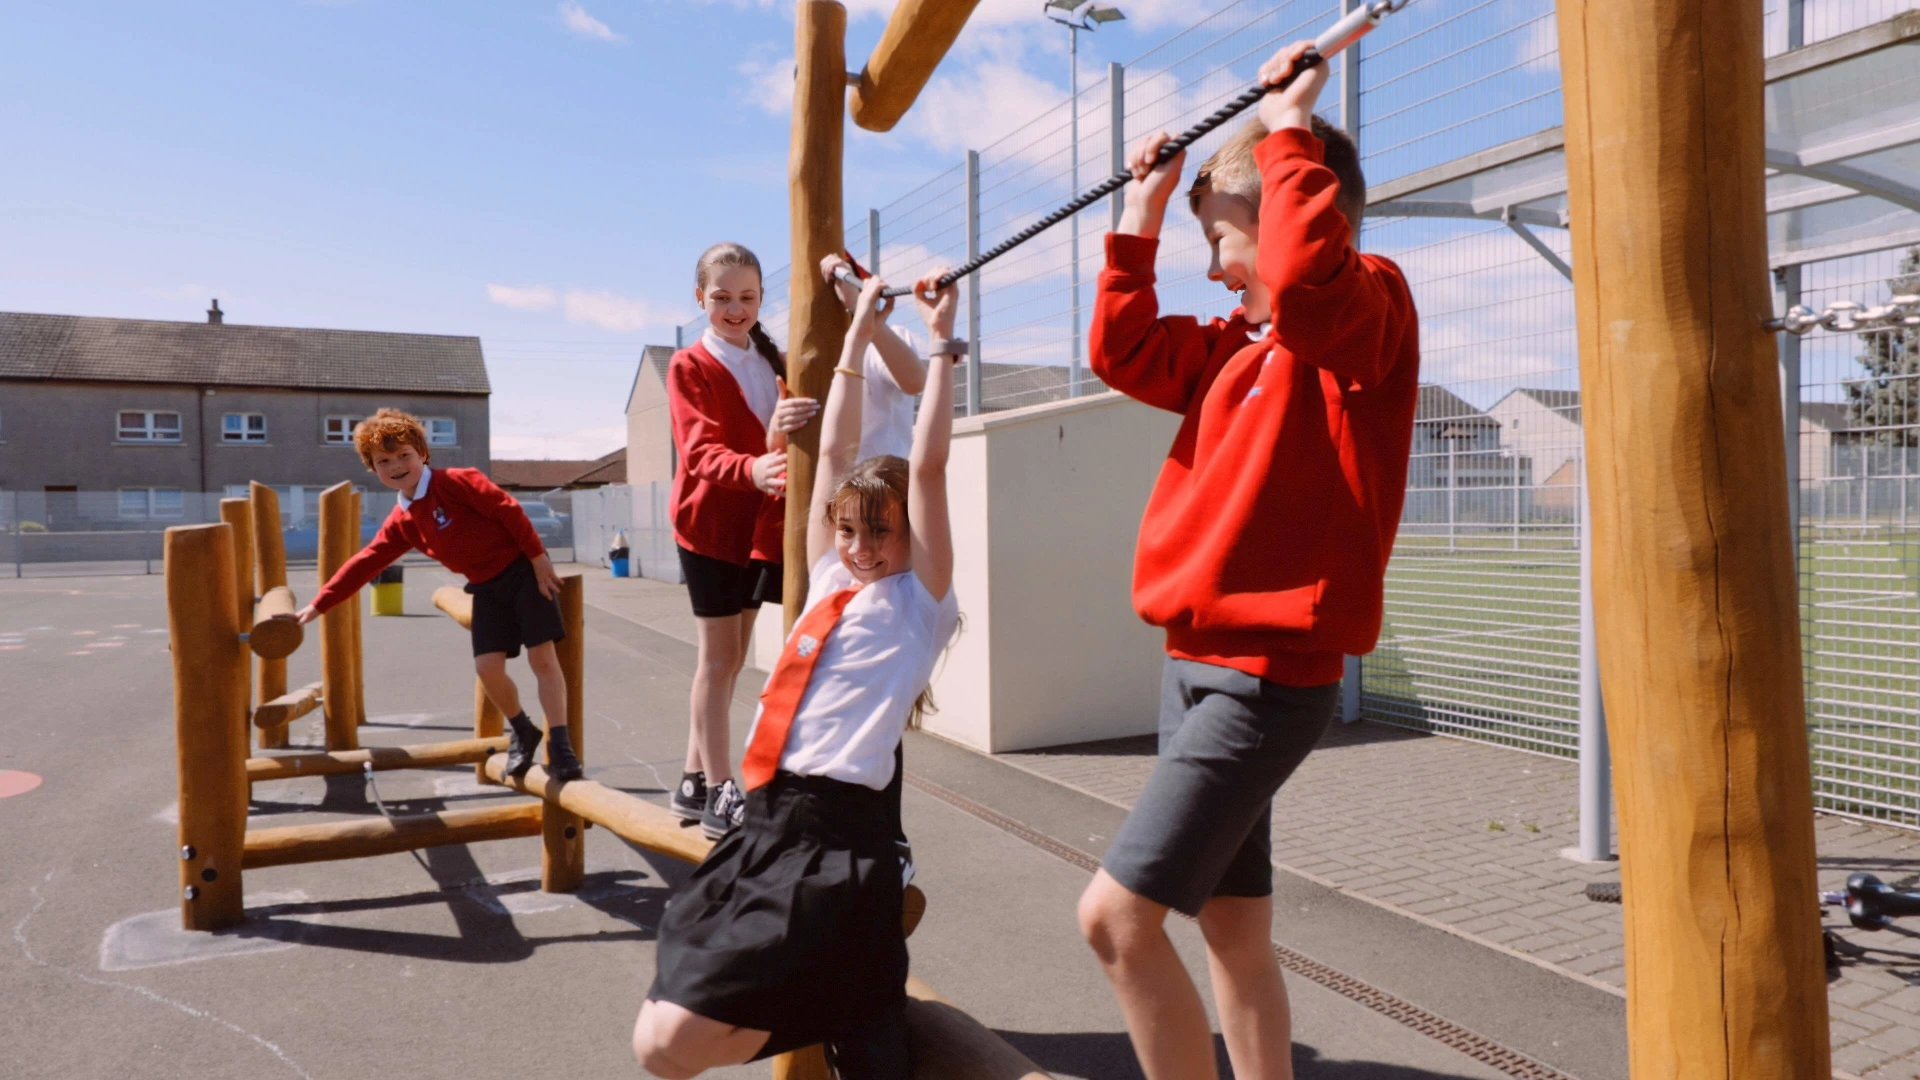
(275, 635)
(358, 609)
(632, 819)
(1697, 609)
(816, 322)
(287, 708)
(487, 724)
(339, 536)
(366, 837)
(950, 1045)
(383, 758)
(457, 603)
(563, 836)
(916, 39)
(209, 704)
(270, 564)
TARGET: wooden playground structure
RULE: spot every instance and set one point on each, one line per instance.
(215, 620)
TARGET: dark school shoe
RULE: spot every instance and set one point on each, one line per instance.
(689, 800)
(905, 851)
(562, 763)
(876, 1050)
(726, 809)
(521, 743)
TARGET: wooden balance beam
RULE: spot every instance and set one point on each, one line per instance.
(275, 634)
(632, 819)
(382, 758)
(289, 844)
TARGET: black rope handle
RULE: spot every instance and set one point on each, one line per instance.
(1342, 34)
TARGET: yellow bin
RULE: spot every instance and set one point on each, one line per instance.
(389, 592)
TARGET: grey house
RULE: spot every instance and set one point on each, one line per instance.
(129, 419)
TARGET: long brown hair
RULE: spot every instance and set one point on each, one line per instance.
(727, 254)
(868, 489)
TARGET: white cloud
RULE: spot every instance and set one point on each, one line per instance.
(620, 314)
(768, 82)
(522, 297)
(575, 18)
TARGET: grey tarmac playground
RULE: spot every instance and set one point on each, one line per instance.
(455, 965)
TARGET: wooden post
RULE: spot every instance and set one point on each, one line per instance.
(917, 36)
(237, 514)
(209, 715)
(270, 560)
(1697, 610)
(487, 721)
(563, 834)
(806, 1063)
(339, 535)
(817, 323)
(359, 614)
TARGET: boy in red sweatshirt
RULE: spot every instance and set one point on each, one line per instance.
(473, 528)
(1262, 552)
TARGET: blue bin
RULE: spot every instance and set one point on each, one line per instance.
(619, 567)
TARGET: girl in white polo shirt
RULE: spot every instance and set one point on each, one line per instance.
(789, 933)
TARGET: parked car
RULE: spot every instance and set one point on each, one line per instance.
(551, 527)
(302, 539)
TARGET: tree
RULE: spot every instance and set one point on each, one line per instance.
(1887, 401)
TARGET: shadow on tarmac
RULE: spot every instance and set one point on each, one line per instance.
(1109, 1056)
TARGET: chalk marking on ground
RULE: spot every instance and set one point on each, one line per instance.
(20, 939)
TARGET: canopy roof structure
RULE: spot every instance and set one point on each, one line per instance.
(1843, 157)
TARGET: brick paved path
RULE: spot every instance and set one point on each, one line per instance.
(1467, 836)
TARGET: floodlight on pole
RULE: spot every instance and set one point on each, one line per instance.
(1076, 15)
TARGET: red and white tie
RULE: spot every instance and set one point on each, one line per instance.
(781, 699)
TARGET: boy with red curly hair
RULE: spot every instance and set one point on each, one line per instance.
(473, 528)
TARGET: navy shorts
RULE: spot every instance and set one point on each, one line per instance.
(508, 612)
(1203, 826)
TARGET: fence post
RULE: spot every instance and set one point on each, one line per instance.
(19, 541)
(973, 284)
(1596, 768)
(1786, 293)
(873, 241)
(1350, 691)
(1117, 137)
(1350, 81)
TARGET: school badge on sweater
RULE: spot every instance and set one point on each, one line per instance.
(788, 684)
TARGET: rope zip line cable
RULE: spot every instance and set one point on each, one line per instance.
(1847, 317)
(1350, 29)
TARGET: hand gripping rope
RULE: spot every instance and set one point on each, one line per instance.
(1335, 38)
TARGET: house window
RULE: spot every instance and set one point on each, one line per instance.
(339, 430)
(442, 431)
(243, 427)
(141, 426)
(144, 503)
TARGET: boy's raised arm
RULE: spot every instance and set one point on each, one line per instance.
(388, 544)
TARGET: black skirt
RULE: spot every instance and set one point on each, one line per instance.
(792, 924)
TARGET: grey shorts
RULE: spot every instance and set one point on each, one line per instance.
(1203, 826)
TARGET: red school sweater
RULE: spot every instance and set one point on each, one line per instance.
(464, 520)
(717, 512)
(1264, 545)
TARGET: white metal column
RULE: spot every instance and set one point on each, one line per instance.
(873, 242)
(1786, 293)
(1116, 136)
(973, 284)
(1350, 80)
(1596, 765)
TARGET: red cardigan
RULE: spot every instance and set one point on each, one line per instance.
(1264, 545)
(717, 512)
(464, 520)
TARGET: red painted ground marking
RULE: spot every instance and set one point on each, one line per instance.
(15, 782)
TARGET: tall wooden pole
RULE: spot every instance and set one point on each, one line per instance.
(237, 514)
(210, 728)
(1697, 611)
(359, 613)
(918, 35)
(563, 834)
(270, 556)
(817, 322)
(339, 535)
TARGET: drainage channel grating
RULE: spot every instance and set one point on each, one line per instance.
(1441, 1030)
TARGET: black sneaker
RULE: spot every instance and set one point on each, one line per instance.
(522, 741)
(726, 809)
(906, 861)
(689, 800)
(562, 763)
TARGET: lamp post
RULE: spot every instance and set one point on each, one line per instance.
(1076, 15)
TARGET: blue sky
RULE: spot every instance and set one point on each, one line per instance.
(541, 174)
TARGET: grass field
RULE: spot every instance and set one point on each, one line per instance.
(1482, 641)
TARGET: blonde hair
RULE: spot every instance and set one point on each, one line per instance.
(868, 491)
(1231, 169)
(388, 430)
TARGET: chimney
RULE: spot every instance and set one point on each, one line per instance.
(214, 315)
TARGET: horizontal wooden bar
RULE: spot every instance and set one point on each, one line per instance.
(950, 1045)
(456, 602)
(335, 762)
(917, 36)
(633, 819)
(276, 634)
(360, 839)
(288, 707)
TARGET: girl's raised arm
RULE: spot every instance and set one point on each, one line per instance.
(840, 433)
(932, 433)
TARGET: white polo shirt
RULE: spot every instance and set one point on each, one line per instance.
(750, 370)
(886, 411)
(873, 666)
